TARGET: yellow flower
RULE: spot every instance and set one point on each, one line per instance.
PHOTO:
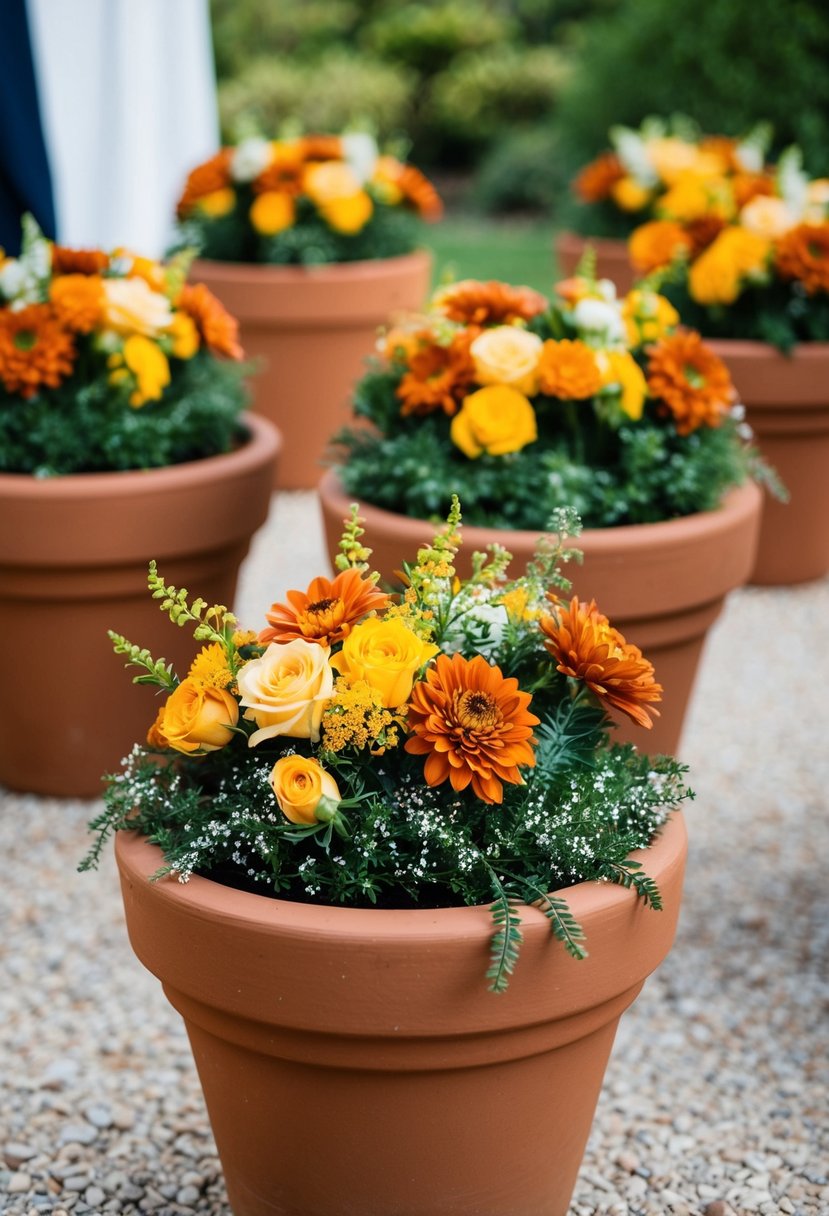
(717, 276)
(629, 195)
(335, 190)
(767, 217)
(356, 717)
(148, 364)
(671, 157)
(195, 718)
(620, 367)
(507, 354)
(272, 211)
(132, 307)
(692, 197)
(218, 202)
(209, 668)
(496, 420)
(387, 655)
(185, 335)
(348, 215)
(286, 690)
(648, 316)
(301, 785)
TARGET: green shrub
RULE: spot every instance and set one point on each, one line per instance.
(247, 29)
(339, 91)
(429, 37)
(521, 172)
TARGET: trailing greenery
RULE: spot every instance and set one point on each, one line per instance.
(777, 312)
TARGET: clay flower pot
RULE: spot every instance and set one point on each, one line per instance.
(612, 261)
(73, 564)
(662, 585)
(353, 1061)
(312, 328)
(787, 404)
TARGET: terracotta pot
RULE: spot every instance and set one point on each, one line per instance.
(662, 585)
(787, 404)
(73, 563)
(353, 1060)
(312, 328)
(612, 261)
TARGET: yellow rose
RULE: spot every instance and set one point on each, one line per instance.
(671, 157)
(218, 202)
(507, 354)
(300, 785)
(286, 690)
(620, 367)
(629, 195)
(767, 217)
(648, 316)
(195, 718)
(692, 198)
(387, 655)
(272, 211)
(716, 277)
(496, 420)
(347, 215)
(148, 364)
(132, 307)
(184, 334)
(334, 188)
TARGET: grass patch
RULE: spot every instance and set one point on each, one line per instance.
(516, 251)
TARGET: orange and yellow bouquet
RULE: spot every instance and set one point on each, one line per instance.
(110, 361)
(522, 405)
(447, 745)
(308, 200)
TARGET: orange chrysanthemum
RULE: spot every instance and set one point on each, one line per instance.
(212, 175)
(656, 244)
(595, 181)
(803, 253)
(78, 261)
(78, 301)
(568, 370)
(321, 147)
(438, 376)
(219, 330)
(475, 303)
(285, 172)
(747, 186)
(473, 726)
(586, 647)
(413, 186)
(326, 612)
(703, 231)
(690, 381)
(35, 349)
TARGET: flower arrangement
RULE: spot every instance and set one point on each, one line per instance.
(669, 169)
(445, 746)
(309, 200)
(522, 405)
(110, 361)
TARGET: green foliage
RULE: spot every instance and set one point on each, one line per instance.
(780, 313)
(243, 29)
(155, 671)
(87, 425)
(506, 940)
(429, 37)
(521, 172)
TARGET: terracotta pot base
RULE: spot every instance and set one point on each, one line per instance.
(312, 329)
(354, 1063)
(662, 585)
(612, 261)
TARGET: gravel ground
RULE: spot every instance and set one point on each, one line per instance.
(715, 1101)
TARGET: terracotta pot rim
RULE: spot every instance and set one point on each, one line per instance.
(611, 244)
(751, 349)
(263, 441)
(741, 500)
(340, 271)
(204, 898)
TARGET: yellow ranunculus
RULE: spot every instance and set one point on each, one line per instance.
(692, 197)
(300, 785)
(185, 335)
(347, 215)
(195, 718)
(628, 194)
(132, 307)
(148, 364)
(272, 211)
(387, 655)
(717, 276)
(648, 316)
(286, 690)
(507, 354)
(218, 202)
(496, 420)
(620, 367)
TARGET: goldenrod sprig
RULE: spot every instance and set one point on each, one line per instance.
(353, 555)
(156, 671)
(214, 623)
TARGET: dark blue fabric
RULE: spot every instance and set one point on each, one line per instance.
(25, 180)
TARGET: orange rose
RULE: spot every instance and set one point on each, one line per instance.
(194, 719)
(306, 793)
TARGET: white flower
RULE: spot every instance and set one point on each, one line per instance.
(360, 153)
(12, 278)
(133, 307)
(599, 317)
(250, 158)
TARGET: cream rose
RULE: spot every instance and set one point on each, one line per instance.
(132, 307)
(507, 354)
(250, 158)
(300, 785)
(286, 690)
(765, 216)
(387, 655)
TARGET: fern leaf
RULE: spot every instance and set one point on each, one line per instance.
(506, 940)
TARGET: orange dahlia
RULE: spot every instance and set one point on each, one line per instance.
(205, 179)
(35, 349)
(285, 172)
(475, 303)
(326, 612)
(595, 181)
(438, 376)
(473, 726)
(78, 261)
(586, 647)
(690, 381)
(568, 370)
(219, 330)
(656, 244)
(78, 301)
(803, 253)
